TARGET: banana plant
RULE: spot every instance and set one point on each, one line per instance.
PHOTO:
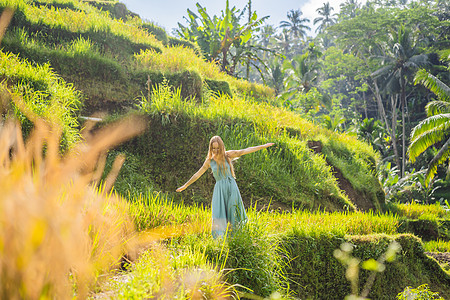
(223, 39)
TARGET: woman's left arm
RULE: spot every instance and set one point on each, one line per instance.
(237, 153)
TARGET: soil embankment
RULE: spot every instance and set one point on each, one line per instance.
(358, 198)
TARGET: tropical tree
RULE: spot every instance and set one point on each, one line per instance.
(349, 9)
(301, 75)
(398, 68)
(284, 42)
(266, 34)
(326, 18)
(435, 129)
(296, 23)
(302, 72)
(223, 39)
(276, 75)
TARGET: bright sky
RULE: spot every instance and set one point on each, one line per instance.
(167, 13)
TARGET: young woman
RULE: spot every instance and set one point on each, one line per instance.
(227, 206)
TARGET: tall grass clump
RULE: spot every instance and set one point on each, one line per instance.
(170, 274)
(252, 258)
(44, 93)
(415, 210)
(178, 58)
(56, 230)
(86, 19)
(155, 209)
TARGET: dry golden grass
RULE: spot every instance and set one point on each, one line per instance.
(56, 228)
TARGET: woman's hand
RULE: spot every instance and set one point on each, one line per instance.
(181, 188)
(269, 144)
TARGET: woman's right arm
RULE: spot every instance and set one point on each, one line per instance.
(196, 176)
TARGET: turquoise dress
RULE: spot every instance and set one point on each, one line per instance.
(227, 206)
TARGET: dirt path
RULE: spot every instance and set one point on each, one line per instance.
(359, 199)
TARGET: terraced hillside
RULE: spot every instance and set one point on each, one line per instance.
(63, 60)
(115, 60)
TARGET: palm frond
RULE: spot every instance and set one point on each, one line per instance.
(440, 158)
(431, 123)
(415, 61)
(382, 71)
(433, 84)
(422, 142)
(437, 107)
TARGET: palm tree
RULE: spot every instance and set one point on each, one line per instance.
(266, 34)
(349, 9)
(325, 18)
(284, 41)
(296, 23)
(301, 74)
(434, 129)
(398, 68)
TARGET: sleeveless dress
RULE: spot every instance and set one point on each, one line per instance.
(227, 206)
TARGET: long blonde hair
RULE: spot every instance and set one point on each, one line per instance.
(222, 156)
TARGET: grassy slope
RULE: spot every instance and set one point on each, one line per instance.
(296, 247)
(284, 167)
(114, 63)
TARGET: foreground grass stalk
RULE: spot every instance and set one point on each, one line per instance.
(56, 229)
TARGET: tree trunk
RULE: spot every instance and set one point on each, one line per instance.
(365, 104)
(403, 100)
(394, 100)
(249, 20)
(380, 105)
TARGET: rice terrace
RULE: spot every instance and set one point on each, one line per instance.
(231, 158)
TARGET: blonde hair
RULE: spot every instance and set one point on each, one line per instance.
(222, 156)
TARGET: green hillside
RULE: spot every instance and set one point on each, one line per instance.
(116, 65)
(314, 192)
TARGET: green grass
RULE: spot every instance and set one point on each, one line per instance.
(419, 211)
(85, 18)
(156, 209)
(44, 93)
(296, 247)
(57, 22)
(177, 274)
(289, 172)
(437, 246)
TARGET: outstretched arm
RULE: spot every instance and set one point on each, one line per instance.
(238, 153)
(195, 176)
